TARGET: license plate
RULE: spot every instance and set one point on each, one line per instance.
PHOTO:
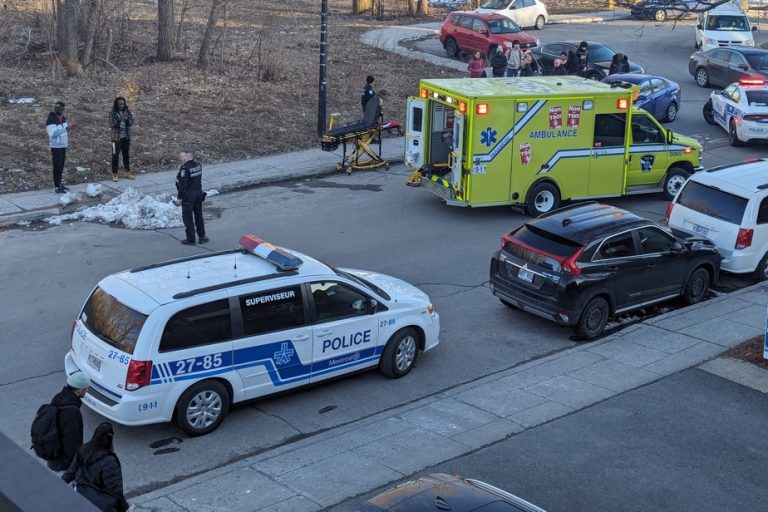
(525, 275)
(94, 362)
(700, 230)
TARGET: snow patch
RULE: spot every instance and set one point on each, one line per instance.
(131, 209)
(22, 100)
(94, 189)
(212, 192)
(69, 198)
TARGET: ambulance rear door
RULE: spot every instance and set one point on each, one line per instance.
(414, 133)
(457, 155)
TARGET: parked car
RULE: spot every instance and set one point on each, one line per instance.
(445, 492)
(465, 31)
(599, 55)
(660, 10)
(582, 264)
(729, 205)
(526, 13)
(741, 109)
(724, 66)
(658, 95)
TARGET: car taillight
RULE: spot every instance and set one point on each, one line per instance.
(72, 330)
(505, 240)
(570, 266)
(670, 206)
(744, 238)
(139, 374)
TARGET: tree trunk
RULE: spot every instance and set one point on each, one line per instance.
(205, 46)
(93, 18)
(411, 7)
(422, 7)
(184, 9)
(165, 25)
(67, 38)
(361, 6)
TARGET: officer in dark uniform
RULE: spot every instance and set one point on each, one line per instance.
(189, 184)
(368, 91)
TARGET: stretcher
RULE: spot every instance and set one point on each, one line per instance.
(359, 140)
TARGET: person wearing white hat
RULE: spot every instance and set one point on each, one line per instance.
(69, 419)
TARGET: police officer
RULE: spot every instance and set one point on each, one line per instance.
(189, 184)
(368, 91)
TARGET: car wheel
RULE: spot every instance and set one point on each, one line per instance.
(674, 182)
(671, 114)
(451, 48)
(508, 304)
(540, 23)
(761, 272)
(660, 15)
(709, 115)
(400, 354)
(202, 408)
(595, 75)
(542, 198)
(696, 287)
(702, 77)
(733, 137)
(593, 319)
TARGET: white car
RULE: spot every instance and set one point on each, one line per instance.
(187, 338)
(741, 109)
(726, 25)
(728, 205)
(526, 13)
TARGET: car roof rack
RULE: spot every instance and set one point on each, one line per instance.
(206, 289)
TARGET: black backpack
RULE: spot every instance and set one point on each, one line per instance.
(45, 432)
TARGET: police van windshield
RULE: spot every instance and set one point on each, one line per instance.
(736, 23)
(111, 321)
(367, 284)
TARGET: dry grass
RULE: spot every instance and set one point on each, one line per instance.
(750, 351)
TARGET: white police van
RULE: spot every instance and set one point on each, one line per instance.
(184, 339)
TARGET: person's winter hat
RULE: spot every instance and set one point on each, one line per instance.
(78, 380)
(369, 79)
(499, 49)
(59, 104)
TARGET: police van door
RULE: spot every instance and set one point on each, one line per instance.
(457, 154)
(414, 133)
(345, 329)
(272, 341)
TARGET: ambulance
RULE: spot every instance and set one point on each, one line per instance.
(534, 142)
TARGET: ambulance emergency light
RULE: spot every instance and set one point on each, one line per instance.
(280, 258)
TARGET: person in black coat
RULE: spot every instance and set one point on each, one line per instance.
(190, 196)
(499, 62)
(368, 91)
(619, 64)
(69, 419)
(97, 472)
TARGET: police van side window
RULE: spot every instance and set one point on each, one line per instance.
(272, 310)
(334, 300)
(610, 129)
(199, 325)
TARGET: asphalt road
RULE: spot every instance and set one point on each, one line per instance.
(367, 220)
(687, 443)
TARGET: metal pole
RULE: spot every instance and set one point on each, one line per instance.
(323, 82)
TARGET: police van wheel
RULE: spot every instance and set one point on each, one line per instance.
(400, 353)
(202, 408)
(542, 198)
(709, 115)
(674, 182)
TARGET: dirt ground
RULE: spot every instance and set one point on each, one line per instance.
(750, 351)
(258, 97)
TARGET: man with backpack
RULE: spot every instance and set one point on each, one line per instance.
(57, 430)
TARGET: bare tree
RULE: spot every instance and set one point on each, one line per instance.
(184, 9)
(67, 37)
(422, 7)
(361, 6)
(94, 11)
(165, 26)
(410, 7)
(205, 46)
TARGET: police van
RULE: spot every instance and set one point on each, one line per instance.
(184, 339)
(536, 141)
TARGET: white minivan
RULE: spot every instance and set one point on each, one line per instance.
(526, 13)
(724, 26)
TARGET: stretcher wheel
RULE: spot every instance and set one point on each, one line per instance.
(349, 170)
(339, 167)
(386, 166)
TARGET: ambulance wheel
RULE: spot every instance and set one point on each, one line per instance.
(202, 408)
(542, 198)
(400, 354)
(593, 319)
(660, 15)
(540, 23)
(451, 48)
(709, 115)
(674, 182)
(702, 77)
(733, 136)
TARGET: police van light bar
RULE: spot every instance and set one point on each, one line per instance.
(752, 80)
(268, 252)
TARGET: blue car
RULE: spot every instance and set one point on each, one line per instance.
(658, 96)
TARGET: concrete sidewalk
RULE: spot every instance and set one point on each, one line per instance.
(325, 469)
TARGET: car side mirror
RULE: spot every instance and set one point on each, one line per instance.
(743, 66)
(754, 29)
(669, 136)
(699, 27)
(677, 247)
(373, 305)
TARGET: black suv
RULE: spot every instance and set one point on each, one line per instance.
(581, 264)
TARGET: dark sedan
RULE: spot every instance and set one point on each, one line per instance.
(600, 57)
(660, 10)
(721, 67)
(582, 264)
(445, 492)
(658, 96)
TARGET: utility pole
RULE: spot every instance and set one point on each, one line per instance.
(323, 67)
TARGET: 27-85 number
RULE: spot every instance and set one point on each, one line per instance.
(205, 363)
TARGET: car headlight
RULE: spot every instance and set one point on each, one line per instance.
(710, 41)
(751, 42)
(430, 309)
(538, 42)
